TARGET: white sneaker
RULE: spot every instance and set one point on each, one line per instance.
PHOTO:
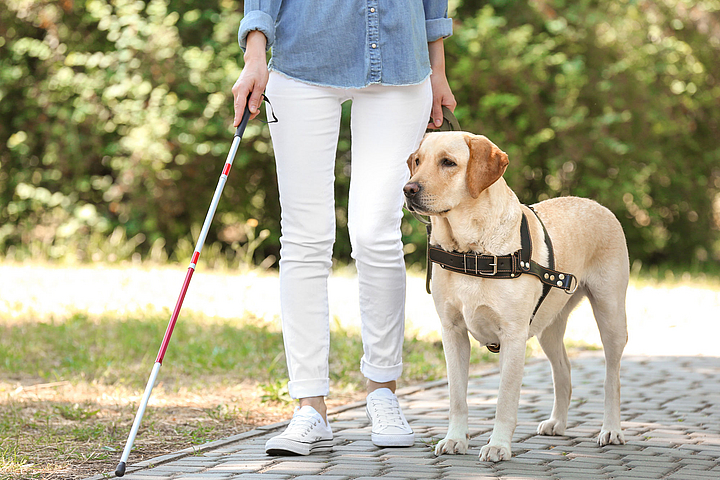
(306, 434)
(389, 427)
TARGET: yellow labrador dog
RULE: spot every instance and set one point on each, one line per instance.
(456, 179)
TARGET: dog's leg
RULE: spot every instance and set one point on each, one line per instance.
(512, 364)
(551, 341)
(457, 356)
(609, 310)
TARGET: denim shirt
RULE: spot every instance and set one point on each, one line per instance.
(348, 43)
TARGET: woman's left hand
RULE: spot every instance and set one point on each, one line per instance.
(442, 94)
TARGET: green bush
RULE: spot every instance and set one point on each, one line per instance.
(116, 119)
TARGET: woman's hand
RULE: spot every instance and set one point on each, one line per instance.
(442, 94)
(253, 78)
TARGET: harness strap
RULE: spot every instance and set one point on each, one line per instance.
(495, 266)
(551, 265)
(504, 266)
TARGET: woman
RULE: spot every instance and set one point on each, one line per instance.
(388, 59)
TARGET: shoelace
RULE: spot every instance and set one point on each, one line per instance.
(387, 412)
(302, 424)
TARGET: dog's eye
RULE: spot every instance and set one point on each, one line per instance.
(446, 162)
(417, 161)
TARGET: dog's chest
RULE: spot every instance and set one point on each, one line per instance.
(475, 300)
(485, 307)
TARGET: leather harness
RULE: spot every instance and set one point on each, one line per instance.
(503, 266)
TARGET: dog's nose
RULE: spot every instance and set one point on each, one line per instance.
(411, 189)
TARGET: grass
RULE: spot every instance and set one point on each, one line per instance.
(121, 352)
(69, 387)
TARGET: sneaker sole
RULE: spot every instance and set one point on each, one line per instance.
(393, 440)
(282, 447)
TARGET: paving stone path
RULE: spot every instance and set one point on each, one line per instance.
(670, 413)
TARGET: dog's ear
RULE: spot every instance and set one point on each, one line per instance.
(411, 162)
(486, 164)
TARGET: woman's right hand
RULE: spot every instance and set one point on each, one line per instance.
(253, 78)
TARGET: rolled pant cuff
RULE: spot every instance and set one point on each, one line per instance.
(380, 374)
(314, 387)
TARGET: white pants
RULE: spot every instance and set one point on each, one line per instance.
(387, 124)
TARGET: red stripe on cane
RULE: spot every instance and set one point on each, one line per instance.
(173, 319)
(226, 170)
(195, 257)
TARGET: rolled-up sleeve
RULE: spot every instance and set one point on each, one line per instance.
(437, 25)
(259, 15)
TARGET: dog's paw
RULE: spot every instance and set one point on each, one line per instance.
(611, 437)
(452, 446)
(495, 453)
(551, 426)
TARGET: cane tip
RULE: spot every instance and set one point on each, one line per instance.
(120, 470)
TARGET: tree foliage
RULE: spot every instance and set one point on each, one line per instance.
(116, 115)
(115, 118)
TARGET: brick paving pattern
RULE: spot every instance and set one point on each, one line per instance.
(670, 417)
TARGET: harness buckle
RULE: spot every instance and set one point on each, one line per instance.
(477, 267)
(494, 265)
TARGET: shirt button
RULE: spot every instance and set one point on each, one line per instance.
(372, 9)
(374, 45)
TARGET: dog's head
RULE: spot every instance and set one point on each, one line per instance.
(450, 168)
